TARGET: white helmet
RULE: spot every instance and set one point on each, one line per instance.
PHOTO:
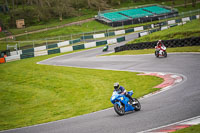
(116, 85)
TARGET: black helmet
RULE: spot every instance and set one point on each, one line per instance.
(116, 86)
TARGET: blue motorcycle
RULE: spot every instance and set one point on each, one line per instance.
(122, 103)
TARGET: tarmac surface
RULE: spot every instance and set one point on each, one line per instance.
(180, 102)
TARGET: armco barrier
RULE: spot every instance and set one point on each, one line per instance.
(110, 34)
(61, 44)
(40, 48)
(138, 28)
(53, 51)
(129, 30)
(101, 43)
(178, 20)
(112, 41)
(52, 46)
(194, 41)
(87, 37)
(26, 55)
(77, 47)
(66, 49)
(102, 35)
(193, 17)
(119, 32)
(148, 27)
(90, 44)
(74, 41)
(15, 52)
(31, 50)
(40, 53)
(12, 58)
(121, 39)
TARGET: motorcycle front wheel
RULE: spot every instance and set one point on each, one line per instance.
(119, 110)
(157, 54)
(137, 105)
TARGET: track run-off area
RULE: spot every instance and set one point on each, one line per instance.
(180, 102)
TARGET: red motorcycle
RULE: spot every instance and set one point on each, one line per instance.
(160, 51)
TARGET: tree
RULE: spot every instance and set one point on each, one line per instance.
(173, 3)
(185, 2)
(63, 8)
(193, 3)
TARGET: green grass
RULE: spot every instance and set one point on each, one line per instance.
(190, 29)
(192, 129)
(151, 51)
(188, 8)
(32, 94)
(75, 29)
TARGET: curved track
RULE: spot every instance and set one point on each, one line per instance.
(179, 103)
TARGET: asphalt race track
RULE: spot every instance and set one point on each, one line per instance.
(179, 103)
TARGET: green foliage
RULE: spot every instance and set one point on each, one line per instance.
(188, 8)
(32, 94)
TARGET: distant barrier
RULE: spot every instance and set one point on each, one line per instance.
(194, 41)
(63, 46)
(53, 49)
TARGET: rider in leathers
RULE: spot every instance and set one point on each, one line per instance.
(121, 90)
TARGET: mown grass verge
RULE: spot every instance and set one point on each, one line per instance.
(192, 129)
(191, 29)
(32, 94)
(151, 51)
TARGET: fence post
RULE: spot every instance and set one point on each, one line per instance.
(46, 42)
(108, 33)
(71, 36)
(33, 44)
(83, 37)
(59, 38)
(19, 46)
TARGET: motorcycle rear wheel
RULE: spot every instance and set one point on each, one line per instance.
(118, 110)
(165, 54)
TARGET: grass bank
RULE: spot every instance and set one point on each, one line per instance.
(32, 94)
(192, 129)
(74, 29)
(191, 29)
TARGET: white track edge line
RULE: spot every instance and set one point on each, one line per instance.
(179, 122)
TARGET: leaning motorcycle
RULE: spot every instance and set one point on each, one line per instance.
(160, 51)
(105, 48)
(122, 104)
